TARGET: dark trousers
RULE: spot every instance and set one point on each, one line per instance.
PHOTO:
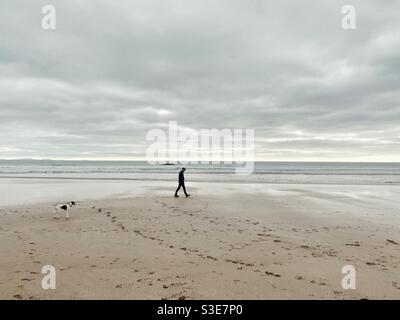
(181, 184)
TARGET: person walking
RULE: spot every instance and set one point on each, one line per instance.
(181, 181)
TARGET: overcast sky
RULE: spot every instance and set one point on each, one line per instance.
(112, 70)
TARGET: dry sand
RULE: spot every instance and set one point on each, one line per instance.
(233, 246)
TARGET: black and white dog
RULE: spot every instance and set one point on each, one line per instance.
(65, 207)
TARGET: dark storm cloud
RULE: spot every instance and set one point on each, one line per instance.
(111, 71)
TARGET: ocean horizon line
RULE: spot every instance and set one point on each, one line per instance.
(193, 160)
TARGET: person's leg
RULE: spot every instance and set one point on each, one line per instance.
(176, 192)
(184, 190)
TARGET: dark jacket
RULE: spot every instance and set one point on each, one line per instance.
(181, 177)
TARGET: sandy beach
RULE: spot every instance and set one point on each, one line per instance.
(286, 243)
(279, 118)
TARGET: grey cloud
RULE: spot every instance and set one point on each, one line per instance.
(112, 71)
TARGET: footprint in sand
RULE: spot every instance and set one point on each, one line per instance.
(272, 274)
(355, 244)
(66, 268)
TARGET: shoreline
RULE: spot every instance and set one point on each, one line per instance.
(64, 190)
